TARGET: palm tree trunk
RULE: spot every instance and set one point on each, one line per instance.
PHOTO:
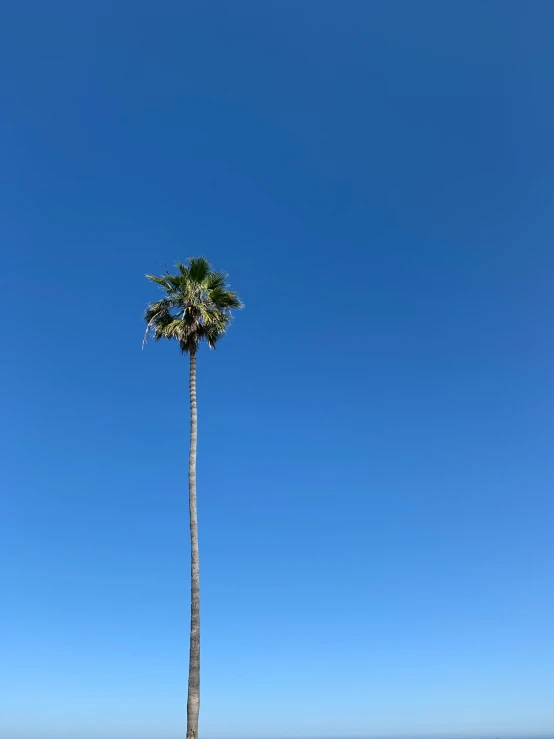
(193, 702)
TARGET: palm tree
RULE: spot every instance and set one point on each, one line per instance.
(196, 307)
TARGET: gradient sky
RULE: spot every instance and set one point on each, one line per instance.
(375, 453)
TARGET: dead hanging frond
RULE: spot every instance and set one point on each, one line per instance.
(148, 329)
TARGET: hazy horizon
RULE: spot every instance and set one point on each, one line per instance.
(405, 735)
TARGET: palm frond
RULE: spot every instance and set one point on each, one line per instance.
(215, 280)
(196, 307)
(212, 336)
(162, 281)
(176, 281)
(153, 308)
(225, 299)
(183, 269)
(199, 269)
(154, 314)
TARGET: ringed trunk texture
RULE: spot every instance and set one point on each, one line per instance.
(193, 702)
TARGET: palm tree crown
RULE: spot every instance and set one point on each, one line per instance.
(196, 306)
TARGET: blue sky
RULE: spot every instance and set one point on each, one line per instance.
(375, 454)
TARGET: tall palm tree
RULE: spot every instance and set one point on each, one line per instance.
(196, 307)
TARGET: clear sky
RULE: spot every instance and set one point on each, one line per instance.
(375, 454)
